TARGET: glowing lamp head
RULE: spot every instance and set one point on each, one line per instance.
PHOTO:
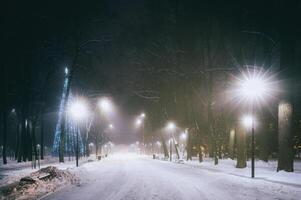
(111, 126)
(171, 126)
(105, 105)
(253, 88)
(247, 121)
(78, 110)
(142, 115)
(183, 136)
(138, 122)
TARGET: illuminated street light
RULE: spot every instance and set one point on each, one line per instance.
(183, 136)
(142, 115)
(247, 121)
(171, 126)
(253, 87)
(105, 105)
(138, 122)
(111, 126)
(78, 111)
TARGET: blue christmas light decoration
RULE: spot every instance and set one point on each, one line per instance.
(70, 126)
(57, 136)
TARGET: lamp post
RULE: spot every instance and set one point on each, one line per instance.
(170, 127)
(106, 108)
(140, 122)
(78, 111)
(253, 87)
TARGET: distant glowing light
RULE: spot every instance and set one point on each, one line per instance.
(158, 143)
(138, 122)
(105, 105)
(111, 126)
(183, 136)
(142, 115)
(66, 71)
(171, 126)
(247, 121)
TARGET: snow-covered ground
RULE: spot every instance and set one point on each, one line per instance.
(127, 176)
(263, 170)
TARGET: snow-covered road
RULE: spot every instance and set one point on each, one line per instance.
(132, 177)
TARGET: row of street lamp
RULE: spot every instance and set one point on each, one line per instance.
(253, 88)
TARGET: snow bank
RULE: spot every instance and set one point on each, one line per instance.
(39, 183)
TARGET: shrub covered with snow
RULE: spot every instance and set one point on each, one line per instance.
(39, 183)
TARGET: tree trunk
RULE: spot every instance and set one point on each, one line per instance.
(285, 154)
(290, 72)
(200, 154)
(23, 138)
(4, 113)
(4, 135)
(241, 147)
(189, 146)
(215, 152)
(176, 148)
(263, 140)
(42, 135)
(19, 146)
(231, 143)
(166, 154)
(34, 141)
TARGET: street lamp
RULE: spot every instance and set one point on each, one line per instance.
(253, 87)
(140, 121)
(248, 121)
(170, 127)
(78, 111)
(142, 115)
(105, 105)
(183, 136)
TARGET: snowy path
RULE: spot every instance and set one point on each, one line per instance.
(142, 178)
